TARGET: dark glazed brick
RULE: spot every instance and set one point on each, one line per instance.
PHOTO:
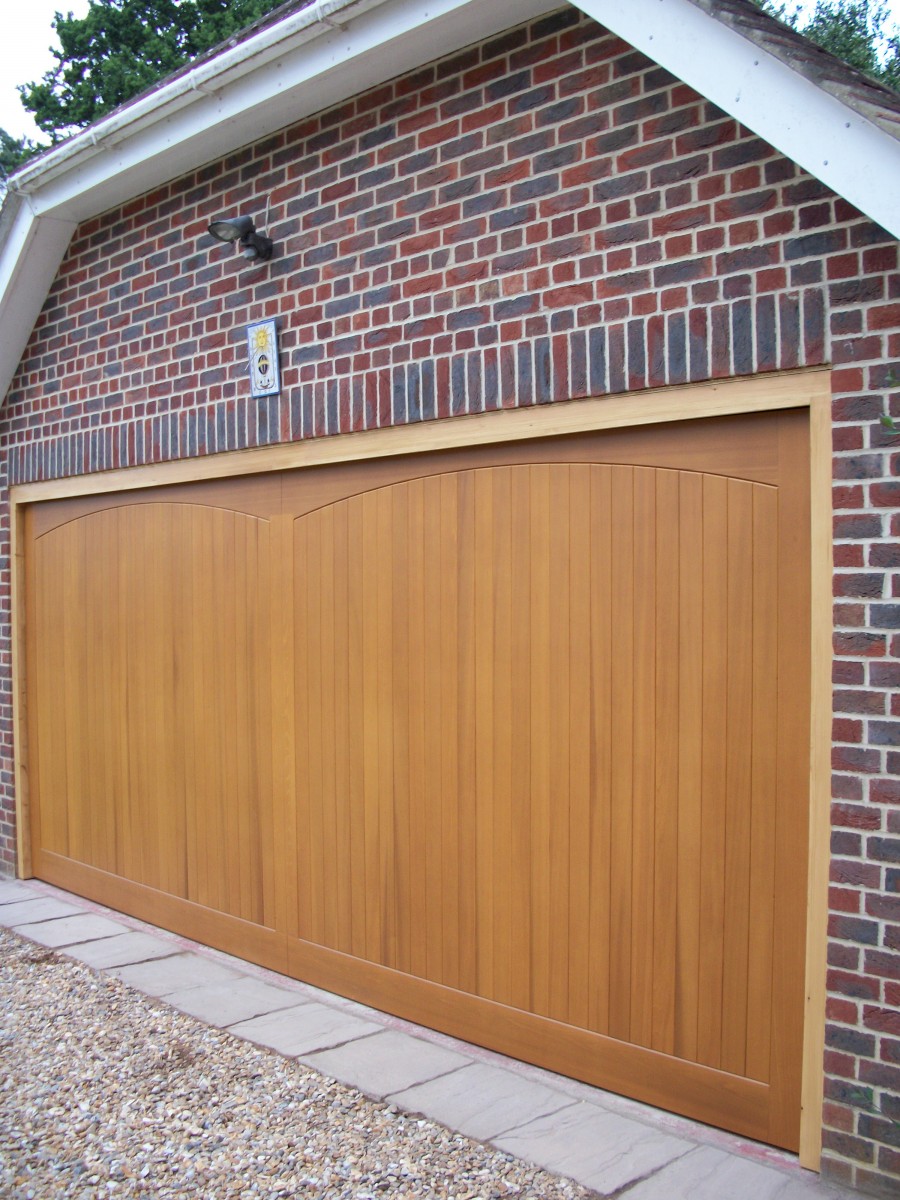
(597, 361)
(578, 343)
(849, 1147)
(458, 385)
(616, 351)
(525, 374)
(677, 348)
(637, 362)
(742, 337)
(814, 326)
(511, 217)
(475, 388)
(508, 85)
(815, 245)
(681, 272)
(885, 616)
(766, 334)
(543, 368)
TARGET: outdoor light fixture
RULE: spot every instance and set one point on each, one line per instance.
(241, 229)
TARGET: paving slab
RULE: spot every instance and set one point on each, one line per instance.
(41, 908)
(598, 1148)
(122, 950)
(710, 1174)
(12, 890)
(234, 1000)
(69, 931)
(173, 974)
(385, 1063)
(482, 1101)
(308, 1027)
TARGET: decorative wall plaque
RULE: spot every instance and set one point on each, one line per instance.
(262, 344)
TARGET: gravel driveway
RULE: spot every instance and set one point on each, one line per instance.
(108, 1094)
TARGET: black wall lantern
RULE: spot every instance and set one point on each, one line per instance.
(241, 229)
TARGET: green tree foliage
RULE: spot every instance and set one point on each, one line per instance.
(13, 152)
(119, 48)
(858, 31)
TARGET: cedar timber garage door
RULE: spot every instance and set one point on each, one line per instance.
(510, 741)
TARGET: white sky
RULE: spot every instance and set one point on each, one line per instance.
(25, 55)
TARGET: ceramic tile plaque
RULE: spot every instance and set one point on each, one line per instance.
(262, 345)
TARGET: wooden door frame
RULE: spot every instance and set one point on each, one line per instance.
(810, 389)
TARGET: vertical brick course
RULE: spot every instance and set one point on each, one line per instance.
(544, 217)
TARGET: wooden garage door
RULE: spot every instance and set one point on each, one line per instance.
(512, 742)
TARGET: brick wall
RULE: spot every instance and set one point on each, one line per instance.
(547, 216)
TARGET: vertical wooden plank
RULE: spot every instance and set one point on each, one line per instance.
(180, 536)
(185, 703)
(74, 671)
(793, 767)
(467, 727)
(763, 815)
(177, 551)
(270, 667)
(303, 849)
(483, 728)
(342, 736)
(601, 658)
(521, 826)
(506, 721)
(665, 873)
(433, 702)
(418, 782)
(646, 655)
(450, 725)
(622, 919)
(228, 571)
(579, 748)
(374, 898)
(384, 598)
(400, 723)
(738, 781)
(207, 720)
(26, 769)
(93, 688)
(357, 604)
(715, 734)
(51, 701)
(245, 786)
(559, 696)
(541, 798)
(316, 862)
(120, 700)
(188, 700)
(690, 762)
(321, 580)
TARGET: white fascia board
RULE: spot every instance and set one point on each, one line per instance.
(826, 137)
(287, 81)
(230, 101)
(31, 256)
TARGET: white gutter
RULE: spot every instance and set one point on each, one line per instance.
(208, 78)
(792, 113)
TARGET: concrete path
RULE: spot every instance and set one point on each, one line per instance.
(612, 1145)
